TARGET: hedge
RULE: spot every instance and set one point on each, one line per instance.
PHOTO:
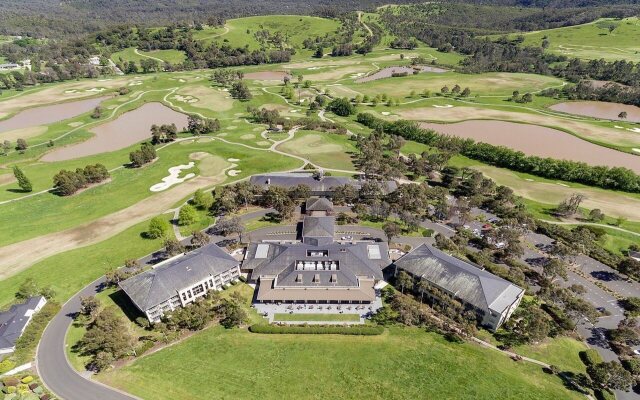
(364, 330)
(590, 357)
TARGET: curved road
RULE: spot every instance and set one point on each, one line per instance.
(51, 359)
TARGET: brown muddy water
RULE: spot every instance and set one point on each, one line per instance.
(128, 129)
(387, 72)
(48, 114)
(599, 109)
(538, 141)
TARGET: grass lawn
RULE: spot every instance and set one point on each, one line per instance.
(172, 56)
(400, 364)
(70, 271)
(316, 317)
(593, 40)
(327, 150)
(561, 352)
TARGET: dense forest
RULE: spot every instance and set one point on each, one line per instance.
(55, 18)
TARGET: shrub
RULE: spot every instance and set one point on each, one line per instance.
(158, 228)
(27, 379)
(363, 330)
(146, 346)
(11, 389)
(604, 395)
(26, 344)
(10, 381)
(6, 365)
(427, 232)
(590, 357)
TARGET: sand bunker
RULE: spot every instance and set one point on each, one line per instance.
(173, 178)
(96, 90)
(266, 75)
(445, 106)
(248, 136)
(233, 159)
(129, 128)
(636, 150)
(234, 172)
(75, 124)
(135, 83)
(48, 114)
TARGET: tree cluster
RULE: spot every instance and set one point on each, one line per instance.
(67, 183)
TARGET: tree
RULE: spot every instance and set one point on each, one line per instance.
(97, 112)
(570, 206)
(27, 289)
(444, 90)
(6, 146)
(231, 314)
(466, 92)
(199, 239)
(229, 225)
(596, 215)
(203, 200)
(342, 107)
(89, 306)
(391, 229)
(555, 267)
(109, 334)
(158, 227)
(404, 281)
(423, 287)
(23, 181)
(202, 126)
(173, 247)
(21, 145)
(622, 115)
(319, 53)
(240, 90)
(187, 215)
(610, 376)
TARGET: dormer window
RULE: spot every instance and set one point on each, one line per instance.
(299, 278)
(334, 278)
(316, 278)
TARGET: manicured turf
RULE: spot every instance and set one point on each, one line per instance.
(400, 364)
(316, 317)
(327, 150)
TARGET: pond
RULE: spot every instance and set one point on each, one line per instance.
(599, 109)
(49, 114)
(127, 129)
(538, 141)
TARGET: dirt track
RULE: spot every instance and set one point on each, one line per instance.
(21, 255)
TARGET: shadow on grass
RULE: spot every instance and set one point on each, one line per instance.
(127, 307)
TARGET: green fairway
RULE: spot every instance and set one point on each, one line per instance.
(593, 40)
(316, 317)
(402, 363)
(327, 150)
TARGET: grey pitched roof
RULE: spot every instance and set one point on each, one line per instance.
(463, 280)
(318, 227)
(325, 184)
(318, 204)
(159, 284)
(15, 320)
(352, 261)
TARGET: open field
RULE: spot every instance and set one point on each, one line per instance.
(593, 40)
(241, 31)
(402, 363)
